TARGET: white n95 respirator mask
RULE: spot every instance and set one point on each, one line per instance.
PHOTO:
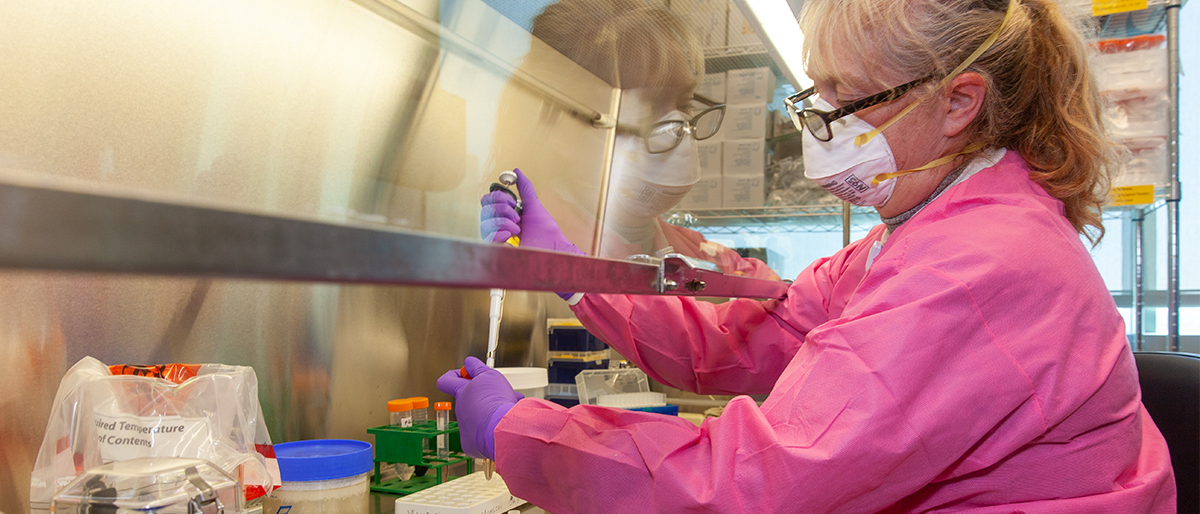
(647, 185)
(846, 169)
(857, 164)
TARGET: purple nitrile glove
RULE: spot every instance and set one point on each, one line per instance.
(498, 221)
(479, 403)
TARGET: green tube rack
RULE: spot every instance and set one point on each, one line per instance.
(404, 445)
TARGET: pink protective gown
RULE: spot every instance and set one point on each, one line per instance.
(980, 365)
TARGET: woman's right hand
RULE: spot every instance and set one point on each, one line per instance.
(498, 220)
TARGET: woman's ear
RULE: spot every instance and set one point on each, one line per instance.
(964, 98)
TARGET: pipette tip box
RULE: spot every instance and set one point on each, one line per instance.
(472, 494)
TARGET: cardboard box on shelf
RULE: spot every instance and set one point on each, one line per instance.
(743, 121)
(740, 31)
(749, 85)
(705, 195)
(742, 192)
(712, 86)
(743, 158)
(710, 157)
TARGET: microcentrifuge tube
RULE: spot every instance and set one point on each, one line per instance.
(443, 422)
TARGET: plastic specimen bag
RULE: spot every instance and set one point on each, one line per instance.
(1134, 83)
(104, 414)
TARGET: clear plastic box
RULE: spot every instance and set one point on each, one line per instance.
(561, 390)
(155, 485)
(579, 356)
(632, 400)
(593, 383)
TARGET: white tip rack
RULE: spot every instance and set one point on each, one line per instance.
(472, 494)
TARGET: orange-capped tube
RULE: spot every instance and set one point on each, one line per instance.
(420, 409)
(400, 412)
(443, 423)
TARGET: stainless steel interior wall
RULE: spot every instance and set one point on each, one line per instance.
(327, 357)
(320, 109)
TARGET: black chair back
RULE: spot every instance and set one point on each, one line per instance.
(1171, 393)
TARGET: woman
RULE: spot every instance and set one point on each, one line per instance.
(963, 356)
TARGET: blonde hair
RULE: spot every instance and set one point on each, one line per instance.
(1042, 99)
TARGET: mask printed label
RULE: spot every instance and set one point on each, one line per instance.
(856, 184)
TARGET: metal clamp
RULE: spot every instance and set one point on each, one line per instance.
(206, 502)
(675, 269)
(679, 274)
(685, 270)
(674, 264)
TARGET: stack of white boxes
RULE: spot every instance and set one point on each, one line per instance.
(732, 162)
(707, 192)
(718, 24)
(743, 136)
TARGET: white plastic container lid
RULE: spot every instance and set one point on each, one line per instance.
(525, 378)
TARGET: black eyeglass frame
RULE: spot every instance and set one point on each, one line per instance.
(686, 127)
(798, 114)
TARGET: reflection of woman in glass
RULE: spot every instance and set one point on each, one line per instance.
(655, 60)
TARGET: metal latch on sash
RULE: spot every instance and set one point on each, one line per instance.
(206, 502)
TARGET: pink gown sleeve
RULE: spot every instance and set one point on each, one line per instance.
(845, 426)
(737, 347)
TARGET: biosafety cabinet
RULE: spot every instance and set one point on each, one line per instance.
(294, 186)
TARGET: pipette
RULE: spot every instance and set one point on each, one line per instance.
(496, 310)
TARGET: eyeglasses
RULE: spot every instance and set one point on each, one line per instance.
(665, 135)
(817, 121)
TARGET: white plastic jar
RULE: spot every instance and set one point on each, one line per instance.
(530, 382)
(323, 476)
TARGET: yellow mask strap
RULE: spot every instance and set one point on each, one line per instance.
(932, 164)
(862, 139)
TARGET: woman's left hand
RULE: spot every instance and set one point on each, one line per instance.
(479, 404)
